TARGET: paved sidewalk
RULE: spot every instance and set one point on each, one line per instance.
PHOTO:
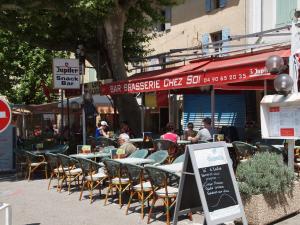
(33, 204)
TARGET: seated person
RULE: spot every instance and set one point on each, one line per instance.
(126, 148)
(205, 134)
(190, 132)
(170, 135)
(124, 128)
(102, 130)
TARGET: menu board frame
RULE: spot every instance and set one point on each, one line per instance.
(197, 158)
(279, 116)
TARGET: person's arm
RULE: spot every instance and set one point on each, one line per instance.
(194, 139)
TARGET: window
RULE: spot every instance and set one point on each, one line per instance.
(166, 25)
(216, 36)
(285, 11)
(214, 4)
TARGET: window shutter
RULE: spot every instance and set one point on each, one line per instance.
(168, 17)
(284, 11)
(208, 5)
(223, 3)
(225, 36)
(205, 40)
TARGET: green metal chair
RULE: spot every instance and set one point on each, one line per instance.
(117, 178)
(92, 177)
(138, 186)
(243, 150)
(167, 145)
(53, 163)
(179, 159)
(35, 162)
(159, 157)
(164, 186)
(141, 153)
(71, 171)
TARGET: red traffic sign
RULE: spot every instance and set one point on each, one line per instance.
(5, 115)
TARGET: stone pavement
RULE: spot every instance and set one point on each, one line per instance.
(33, 204)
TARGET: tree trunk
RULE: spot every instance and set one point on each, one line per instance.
(110, 36)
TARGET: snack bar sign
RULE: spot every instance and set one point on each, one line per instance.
(66, 74)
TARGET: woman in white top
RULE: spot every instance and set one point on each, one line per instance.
(205, 133)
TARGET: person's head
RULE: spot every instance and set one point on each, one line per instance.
(170, 127)
(123, 138)
(207, 122)
(190, 126)
(103, 123)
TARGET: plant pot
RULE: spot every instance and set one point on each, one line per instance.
(264, 209)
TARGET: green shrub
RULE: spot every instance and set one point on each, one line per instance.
(265, 173)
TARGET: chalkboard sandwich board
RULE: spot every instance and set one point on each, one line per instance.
(208, 179)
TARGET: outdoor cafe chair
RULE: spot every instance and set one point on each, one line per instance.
(164, 185)
(159, 157)
(93, 176)
(138, 186)
(35, 162)
(171, 147)
(71, 171)
(141, 153)
(117, 178)
(179, 159)
(243, 150)
(54, 168)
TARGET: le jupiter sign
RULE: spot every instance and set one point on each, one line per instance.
(66, 74)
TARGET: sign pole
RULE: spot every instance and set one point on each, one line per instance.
(62, 116)
(83, 112)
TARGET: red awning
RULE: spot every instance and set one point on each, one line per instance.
(216, 71)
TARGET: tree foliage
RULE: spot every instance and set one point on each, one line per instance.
(24, 70)
(112, 31)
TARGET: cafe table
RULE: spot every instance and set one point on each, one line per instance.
(136, 161)
(173, 168)
(90, 155)
(46, 151)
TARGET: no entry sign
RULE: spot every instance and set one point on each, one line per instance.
(5, 115)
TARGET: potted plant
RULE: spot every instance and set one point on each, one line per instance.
(268, 188)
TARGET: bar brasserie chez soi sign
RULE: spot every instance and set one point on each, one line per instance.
(185, 80)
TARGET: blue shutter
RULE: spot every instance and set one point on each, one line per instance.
(225, 36)
(230, 110)
(205, 40)
(208, 5)
(223, 3)
(284, 11)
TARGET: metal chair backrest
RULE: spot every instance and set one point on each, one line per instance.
(113, 168)
(135, 173)
(162, 144)
(159, 156)
(160, 178)
(267, 148)
(179, 159)
(52, 160)
(141, 153)
(31, 157)
(89, 167)
(243, 150)
(67, 162)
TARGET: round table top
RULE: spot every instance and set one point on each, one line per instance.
(90, 155)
